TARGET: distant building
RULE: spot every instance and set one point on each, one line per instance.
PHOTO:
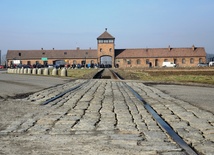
(106, 54)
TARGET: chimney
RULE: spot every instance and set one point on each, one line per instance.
(53, 48)
(41, 48)
(169, 48)
(78, 48)
(193, 47)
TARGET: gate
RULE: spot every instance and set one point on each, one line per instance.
(106, 62)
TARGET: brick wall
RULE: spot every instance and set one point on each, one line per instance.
(50, 61)
(157, 62)
(106, 49)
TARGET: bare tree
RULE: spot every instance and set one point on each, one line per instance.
(3, 59)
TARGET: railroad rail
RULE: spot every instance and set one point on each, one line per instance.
(107, 74)
(163, 124)
(65, 92)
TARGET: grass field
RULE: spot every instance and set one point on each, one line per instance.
(185, 75)
(204, 75)
(80, 73)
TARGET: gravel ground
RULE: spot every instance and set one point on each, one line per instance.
(12, 110)
(16, 84)
(202, 97)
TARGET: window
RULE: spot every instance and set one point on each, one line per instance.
(183, 61)
(105, 41)
(43, 53)
(65, 53)
(100, 41)
(200, 60)
(110, 50)
(191, 60)
(101, 49)
(28, 63)
(147, 61)
(138, 61)
(165, 60)
(111, 41)
(83, 62)
(128, 61)
(74, 62)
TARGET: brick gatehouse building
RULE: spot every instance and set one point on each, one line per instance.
(107, 54)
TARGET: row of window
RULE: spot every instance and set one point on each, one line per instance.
(106, 41)
(101, 50)
(138, 61)
(46, 62)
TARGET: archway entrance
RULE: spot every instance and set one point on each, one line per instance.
(106, 62)
(156, 62)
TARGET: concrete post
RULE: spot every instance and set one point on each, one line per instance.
(63, 72)
(18, 70)
(8, 70)
(39, 72)
(29, 70)
(46, 71)
(34, 71)
(54, 72)
(21, 70)
(25, 71)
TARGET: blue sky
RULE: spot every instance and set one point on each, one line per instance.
(66, 24)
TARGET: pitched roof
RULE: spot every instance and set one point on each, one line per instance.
(160, 52)
(105, 35)
(119, 53)
(52, 54)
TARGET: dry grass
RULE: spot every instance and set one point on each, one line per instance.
(204, 75)
(82, 73)
(184, 75)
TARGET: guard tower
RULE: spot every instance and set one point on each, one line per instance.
(105, 49)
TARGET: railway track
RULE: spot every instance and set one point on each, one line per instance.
(109, 74)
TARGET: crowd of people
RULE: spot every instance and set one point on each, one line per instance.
(73, 66)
